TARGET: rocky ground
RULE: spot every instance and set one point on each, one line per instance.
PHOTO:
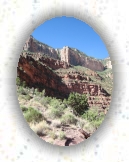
(72, 136)
(51, 129)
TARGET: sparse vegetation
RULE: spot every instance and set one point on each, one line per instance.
(62, 135)
(65, 110)
(52, 135)
(72, 111)
(94, 117)
(32, 115)
(40, 128)
(78, 103)
(68, 119)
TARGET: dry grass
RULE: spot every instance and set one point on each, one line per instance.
(56, 123)
(40, 128)
(61, 135)
(53, 135)
(68, 118)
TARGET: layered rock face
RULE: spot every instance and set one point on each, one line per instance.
(49, 61)
(38, 75)
(75, 58)
(32, 45)
(67, 54)
(42, 73)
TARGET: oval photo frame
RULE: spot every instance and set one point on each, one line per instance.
(22, 144)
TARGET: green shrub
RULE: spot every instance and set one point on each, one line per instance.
(62, 135)
(94, 117)
(90, 115)
(23, 108)
(97, 123)
(24, 84)
(28, 97)
(57, 103)
(63, 106)
(45, 100)
(52, 135)
(18, 82)
(42, 94)
(78, 103)
(22, 91)
(55, 113)
(32, 115)
(36, 91)
(68, 119)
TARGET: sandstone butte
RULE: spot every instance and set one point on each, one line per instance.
(54, 70)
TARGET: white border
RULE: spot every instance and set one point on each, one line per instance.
(17, 21)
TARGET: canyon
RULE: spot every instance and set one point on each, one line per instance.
(66, 70)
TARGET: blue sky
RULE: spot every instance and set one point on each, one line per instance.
(68, 31)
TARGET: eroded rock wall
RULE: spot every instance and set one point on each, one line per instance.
(75, 58)
(32, 45)
(66, 54)
(38, 74)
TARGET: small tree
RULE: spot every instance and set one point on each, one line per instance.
(18, 82)
(78, 103)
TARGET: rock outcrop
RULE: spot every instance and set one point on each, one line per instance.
(32, 45)
(107, 63)
(75, 57)
(39, 75)
(66, 54)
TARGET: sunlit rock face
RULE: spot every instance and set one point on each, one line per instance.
(74, 57)
(66, 54)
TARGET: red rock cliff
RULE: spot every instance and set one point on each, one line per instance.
(38, 72)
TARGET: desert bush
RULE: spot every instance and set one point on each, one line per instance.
(22, 91)
(42, 94)
(24, 84)
(63, 106)
(55, 113)
(56, 123)
(97, 123)
(18, 81)
(81, 123)
(57, 103)
(62, 135)
(94, 117)
(40, 128)
(90, 115)
(78, 102)
(35, 91)
(23, 108)
(52, 135)
(28, 97)
(32, 115)
(68, 119)
(45, 100)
